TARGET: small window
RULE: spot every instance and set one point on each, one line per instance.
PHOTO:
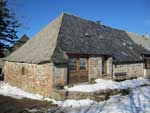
(147, 64)
(23, 70)
(0, 70)
(72, 63)
(83, 62)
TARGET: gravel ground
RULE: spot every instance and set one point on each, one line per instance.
(11, 105)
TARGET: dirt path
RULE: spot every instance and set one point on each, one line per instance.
(11, 105)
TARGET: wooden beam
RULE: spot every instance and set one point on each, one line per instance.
(78, 64)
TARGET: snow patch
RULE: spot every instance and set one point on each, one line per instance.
(75, 103)
(138, 101)
(11, 91)
(102, 84)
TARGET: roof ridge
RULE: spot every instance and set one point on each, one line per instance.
(62, 17)
(85, 19)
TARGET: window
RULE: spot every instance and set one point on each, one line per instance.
(147, 64)
(72, 63)
(83, 63)
(77, 64)
(23, 70)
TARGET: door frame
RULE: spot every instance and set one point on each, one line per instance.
(78, 75)
(104, 64)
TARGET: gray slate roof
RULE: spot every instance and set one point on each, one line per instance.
(140, 40)
(20, 42)
(72, 34)
(41, 47)
(16, 45)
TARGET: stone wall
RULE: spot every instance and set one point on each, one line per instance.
(109, 66)
(33, 78)
(147, 73)
(1, 67)
(95, 67)
(132, 70)
(60, 75)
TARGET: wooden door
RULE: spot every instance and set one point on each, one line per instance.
(78, 70)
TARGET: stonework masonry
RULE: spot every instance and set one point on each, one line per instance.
(147, 73)
(60, 75)
(132, 70)
(109, 66)
(95, 67)
(33, 78)
(43, 78)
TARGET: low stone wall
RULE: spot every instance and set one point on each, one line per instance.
(101, 95)
(132, 70)
(97, 96)
(33, 78)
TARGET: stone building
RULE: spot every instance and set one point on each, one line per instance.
(71, 50)
(1, 68)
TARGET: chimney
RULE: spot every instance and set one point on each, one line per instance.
(146, 36)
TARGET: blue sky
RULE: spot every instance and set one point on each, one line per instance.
(130, 15)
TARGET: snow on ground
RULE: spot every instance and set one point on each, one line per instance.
(75, 103)
(8, 90)
(102, 84)
(138, 101)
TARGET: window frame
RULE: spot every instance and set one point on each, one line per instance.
(74, 64)
(86, 63)
(147, 64)
(23, 70)
(77, 64)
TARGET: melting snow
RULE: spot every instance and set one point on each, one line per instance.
(8, 90)
(75, 103)
(138, 101)
(102, 84)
